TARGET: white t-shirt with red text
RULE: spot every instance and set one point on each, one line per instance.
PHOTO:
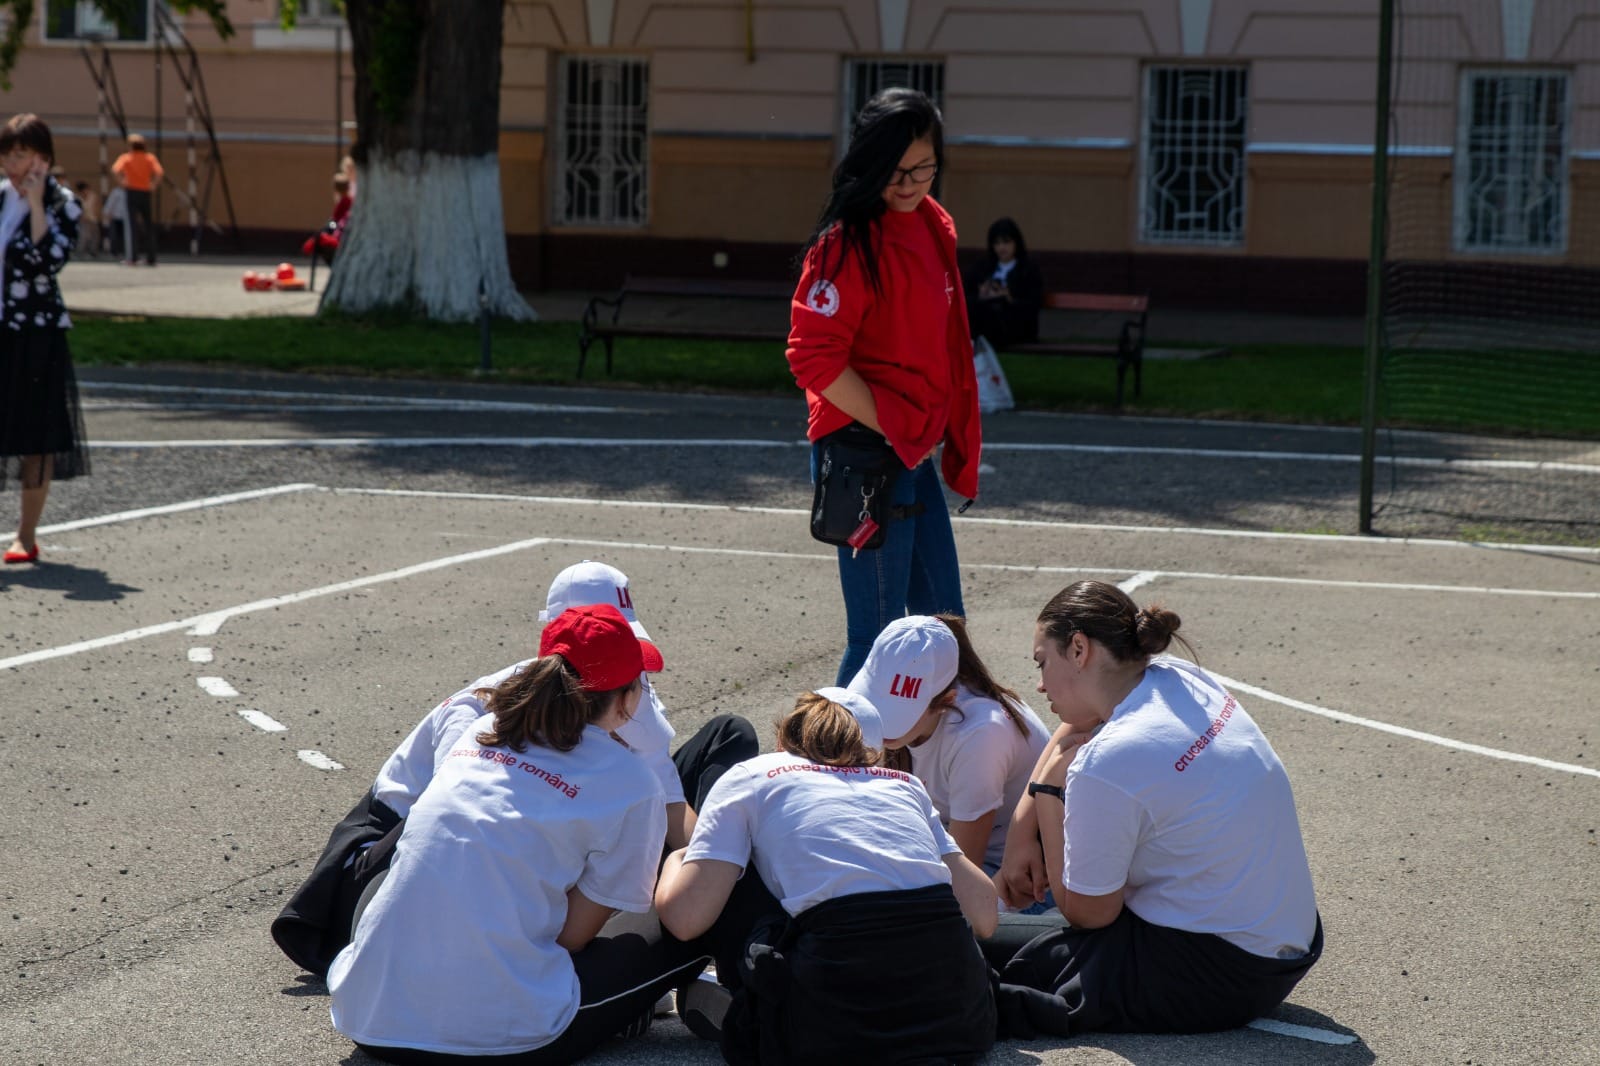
(412, 765)
(978, 761)
(457, 951)
(819, 832)
(1180, 798)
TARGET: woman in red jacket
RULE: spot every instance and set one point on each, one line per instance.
(878, 339)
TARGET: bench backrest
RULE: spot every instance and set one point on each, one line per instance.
(736, 287)
(1097, 301)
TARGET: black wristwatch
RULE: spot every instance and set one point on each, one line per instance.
(1036, 787)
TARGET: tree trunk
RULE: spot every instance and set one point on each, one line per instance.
(426, 232)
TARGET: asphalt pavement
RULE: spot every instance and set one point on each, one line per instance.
(334, 555)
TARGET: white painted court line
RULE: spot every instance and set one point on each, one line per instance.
(1304, 1032)
(446, 442)
(1037, 523)
(174, 508)
(1256, 455)
(200, 655)
(1139, 580)
(356, 401)
(211, 620)
(1410, 734)
(216, 686)
(318, 760)
(263, 722)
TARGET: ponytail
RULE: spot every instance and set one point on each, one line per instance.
(544, 705)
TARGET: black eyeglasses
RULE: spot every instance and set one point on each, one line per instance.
(917, 175)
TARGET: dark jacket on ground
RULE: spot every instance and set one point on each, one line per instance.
(876, 977)
(314, 925)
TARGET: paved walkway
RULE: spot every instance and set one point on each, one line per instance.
(211, 287)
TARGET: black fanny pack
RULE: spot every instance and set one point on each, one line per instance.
(856, 473)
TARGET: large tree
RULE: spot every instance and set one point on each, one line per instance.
(427, 232)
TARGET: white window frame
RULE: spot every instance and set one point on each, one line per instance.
(1153, 143)
(612, 137)
(930, 76)
(1525, 146)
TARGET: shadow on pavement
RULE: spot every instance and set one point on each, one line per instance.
(77, 582)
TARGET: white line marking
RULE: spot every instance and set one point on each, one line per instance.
(318, 760)
(736, 442)
(174, 508)
(1139, 580)
(208, 625)
(1410, 734)
(433, 402)
(1300, 457)
(216, 686)
(1304, 1032)
(262, 721)
(213, 619)
(1034, 523)
(447, 442)
(200, 655)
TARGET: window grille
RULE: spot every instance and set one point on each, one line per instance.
(602, 141)
(866, 78)
(1511, 173)
(1195, 130)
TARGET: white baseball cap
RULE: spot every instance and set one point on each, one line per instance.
(587, 583)
(913, 660)
(865, 714)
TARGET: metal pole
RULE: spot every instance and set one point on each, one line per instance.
(194, 189)
(485, 358)
(1375, 255)
(338, 94)
(155, 187)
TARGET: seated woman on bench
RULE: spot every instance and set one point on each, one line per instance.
(1005, 289)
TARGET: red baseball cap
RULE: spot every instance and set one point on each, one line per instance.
(600, 645)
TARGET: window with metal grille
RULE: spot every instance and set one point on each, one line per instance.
(1195, 128)
(602, 141)
(866, 78)
(1511, 172)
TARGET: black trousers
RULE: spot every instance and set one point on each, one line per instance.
(1133, 976)
(141, 219)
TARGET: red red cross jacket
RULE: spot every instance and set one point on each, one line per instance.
(909, 342)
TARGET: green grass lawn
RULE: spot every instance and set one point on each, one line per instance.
(1297, 383)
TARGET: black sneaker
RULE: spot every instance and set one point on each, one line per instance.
(703, 1004)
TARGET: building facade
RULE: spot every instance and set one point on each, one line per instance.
(1211, 152)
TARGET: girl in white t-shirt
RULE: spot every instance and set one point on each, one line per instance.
(974, 749)
(1171, 842)
(484, 937)
(867, 949)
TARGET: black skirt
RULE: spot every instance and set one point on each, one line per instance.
(39, 412)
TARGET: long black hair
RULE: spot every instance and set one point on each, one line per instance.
(1003, 227)
(878, 140)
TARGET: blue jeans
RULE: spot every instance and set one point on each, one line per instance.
(915, 571)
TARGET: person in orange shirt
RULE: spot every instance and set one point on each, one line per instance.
(139, 171)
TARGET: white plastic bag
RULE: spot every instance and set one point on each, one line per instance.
(994, 391)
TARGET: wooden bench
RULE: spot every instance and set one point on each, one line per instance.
(1127, 350)
(597, 326)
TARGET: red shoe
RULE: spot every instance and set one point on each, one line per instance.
(23, 557)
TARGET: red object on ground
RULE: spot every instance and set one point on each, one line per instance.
(285, 271)
(249, 280)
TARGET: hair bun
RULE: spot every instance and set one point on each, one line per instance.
(1153, 629)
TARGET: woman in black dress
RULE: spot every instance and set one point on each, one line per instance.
(41, 426)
